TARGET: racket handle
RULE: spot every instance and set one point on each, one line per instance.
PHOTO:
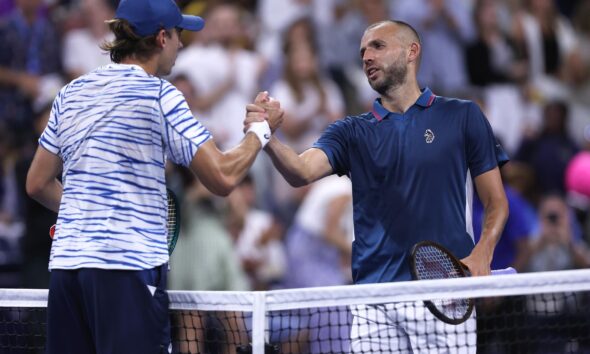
(504, 271)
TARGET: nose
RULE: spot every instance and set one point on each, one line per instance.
(367, 57)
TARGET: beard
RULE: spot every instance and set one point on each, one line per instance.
(394, 77)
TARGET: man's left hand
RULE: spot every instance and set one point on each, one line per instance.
(477, 263)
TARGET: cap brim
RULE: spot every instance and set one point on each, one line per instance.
(191, 23)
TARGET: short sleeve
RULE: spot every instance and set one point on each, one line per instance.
(49, 138)
(335, 144)
(182, 133)
(482, 149)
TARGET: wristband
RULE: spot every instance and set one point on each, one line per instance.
(262, 131)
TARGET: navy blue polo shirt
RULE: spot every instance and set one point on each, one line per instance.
(411, 177)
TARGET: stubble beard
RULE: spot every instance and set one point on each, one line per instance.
(394, 77)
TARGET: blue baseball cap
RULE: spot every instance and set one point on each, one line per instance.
(149, 16)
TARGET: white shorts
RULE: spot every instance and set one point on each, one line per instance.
(408, 327)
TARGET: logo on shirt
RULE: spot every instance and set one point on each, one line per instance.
(429, 136)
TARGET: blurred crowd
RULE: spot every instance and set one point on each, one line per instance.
(526, 62)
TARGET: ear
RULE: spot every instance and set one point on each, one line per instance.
(414, 52)
(161, 38)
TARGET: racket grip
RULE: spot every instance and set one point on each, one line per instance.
(504, 271)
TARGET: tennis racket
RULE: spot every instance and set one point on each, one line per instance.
(172, 221)
(428, 261)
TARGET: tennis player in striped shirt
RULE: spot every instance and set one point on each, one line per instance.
(109, 135)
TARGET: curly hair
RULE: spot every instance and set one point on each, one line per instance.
(128, 44)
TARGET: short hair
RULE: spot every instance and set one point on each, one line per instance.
(406, 26)
(127, 43)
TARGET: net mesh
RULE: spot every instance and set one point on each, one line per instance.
(526, 313)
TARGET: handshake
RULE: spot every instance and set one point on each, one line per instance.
(263, 117)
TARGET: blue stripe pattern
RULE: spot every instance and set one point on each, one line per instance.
(114, 128)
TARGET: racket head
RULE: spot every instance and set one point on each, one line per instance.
(430, 260)
(172, 220)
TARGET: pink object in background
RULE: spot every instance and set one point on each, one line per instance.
(577, 174)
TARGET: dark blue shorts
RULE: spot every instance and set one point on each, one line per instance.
(97, 311)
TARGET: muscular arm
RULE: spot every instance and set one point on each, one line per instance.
(42, 183)
(221, 171)
(491, 193)
(298, 170)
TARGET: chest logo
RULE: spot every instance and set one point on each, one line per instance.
(429, 136)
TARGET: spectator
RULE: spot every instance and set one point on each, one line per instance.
(549, 153)
(319, 248)
(29, 64)
(11, 220)
(228, 74)
(550, 42)
(319, 243)
(258, 238)
(492, 58)
(338, 48)
(556, 247)
(445, 27)
(311, 101)
(81, 46)
(35, 243)
(205, 259)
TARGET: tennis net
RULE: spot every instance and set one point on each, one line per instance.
(545, 312)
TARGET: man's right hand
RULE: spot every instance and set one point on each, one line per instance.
(264, 108)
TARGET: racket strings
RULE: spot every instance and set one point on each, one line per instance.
(431, 264)
(171, 218)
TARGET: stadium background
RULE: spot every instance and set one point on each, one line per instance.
(527, 63)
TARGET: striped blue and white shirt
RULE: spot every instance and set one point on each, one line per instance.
(114, 128)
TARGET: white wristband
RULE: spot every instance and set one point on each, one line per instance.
(262, 131)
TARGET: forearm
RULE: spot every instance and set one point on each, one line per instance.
(289, 164)
(235, 164)
(49, 195)
(8, 77)
(495, 216)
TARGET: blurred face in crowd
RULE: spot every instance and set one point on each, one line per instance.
(554, 216)
(169, 52)
(487, 15)
(544, 7)
(555, 118)
(223, 25)
(96, 11)
(28, 7)
(384, 55)
(302, 60)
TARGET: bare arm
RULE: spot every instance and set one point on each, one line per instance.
(42, 183)
(27, 83)
(491, 193)
(298, 170)
(221, 171)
